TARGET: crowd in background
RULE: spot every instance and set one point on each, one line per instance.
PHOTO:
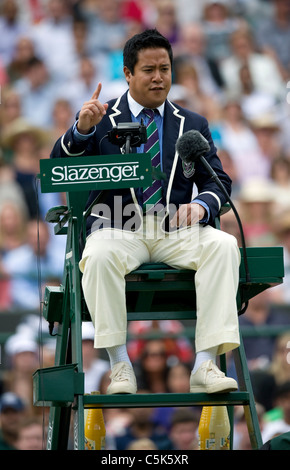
(232, 65)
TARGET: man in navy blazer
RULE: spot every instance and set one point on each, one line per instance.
(181, 234)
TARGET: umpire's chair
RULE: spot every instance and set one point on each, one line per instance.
(155, 292)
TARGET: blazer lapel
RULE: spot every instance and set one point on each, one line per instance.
(173, 127)
(120, 111)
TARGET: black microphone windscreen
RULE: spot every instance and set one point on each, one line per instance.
(192, 145)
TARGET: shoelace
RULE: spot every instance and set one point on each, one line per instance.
(214, 370)
(123, 372)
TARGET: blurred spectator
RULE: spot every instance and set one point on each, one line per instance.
(253, 10)
(235, 135)
(142, 426)
(259, 349)
(241, 433)
(10, 110)
(22, 354)
(187, 14)
(280, 175)
(191, 47)
(3, 75)
(219, 22)
(93, 366)
(57, 30)
(254, 102)
(12, 411)
(267, 132)
(37, 92)
(106, 30)
(230, 168)
(89, 7)
(152, 371)
(110, 64)
(279, 367)
(166, 21)
(264, 71)
(23, 53)
(280, 425)
(31, 12)
(77, 90)
(11, 28)
(80, 34)
(10, 190)
(183, 429)
(13, 215)
(178, 378)
(25, 142)
(177, 346)
(132, 10)
(257, 210)
(13, 220)
(177, 382)
(13, 224)
(264, 385)
(21, 264)
(200, 102)
(230, 225)
(180, 95)
(63, 117)
(30, 435)
(281, 228)
(273, 35)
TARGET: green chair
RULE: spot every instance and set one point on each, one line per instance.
(154, 291)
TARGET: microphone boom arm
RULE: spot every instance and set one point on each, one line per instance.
(223, 189)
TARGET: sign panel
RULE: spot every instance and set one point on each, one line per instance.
(95, 173)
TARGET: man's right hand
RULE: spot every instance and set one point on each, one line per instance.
(92, 112)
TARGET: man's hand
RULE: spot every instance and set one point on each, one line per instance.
(92, 112)
(187, 215)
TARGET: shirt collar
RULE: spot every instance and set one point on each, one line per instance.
(136, 108)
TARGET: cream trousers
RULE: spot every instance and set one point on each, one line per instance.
(110, 254)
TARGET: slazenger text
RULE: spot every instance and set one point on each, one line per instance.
(82, 173)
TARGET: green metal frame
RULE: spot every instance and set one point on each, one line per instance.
(149, 293)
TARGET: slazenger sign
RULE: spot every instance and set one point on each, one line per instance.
(97, 172)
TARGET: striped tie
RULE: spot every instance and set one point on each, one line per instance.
(152, 195)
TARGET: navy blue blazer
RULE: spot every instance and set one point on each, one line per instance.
(178, 186)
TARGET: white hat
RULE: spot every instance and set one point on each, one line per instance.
(257, 190)
(18, 343)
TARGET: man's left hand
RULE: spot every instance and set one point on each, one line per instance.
(187, 215)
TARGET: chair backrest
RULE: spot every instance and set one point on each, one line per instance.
(76, 202)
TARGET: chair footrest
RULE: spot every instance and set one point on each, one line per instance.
(165, 399)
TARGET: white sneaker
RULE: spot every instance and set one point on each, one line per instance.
(123, 379)
(209, 379)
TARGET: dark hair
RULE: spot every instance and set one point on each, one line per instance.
(184, 415)
(150, 38)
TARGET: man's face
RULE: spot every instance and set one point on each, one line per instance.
(151, 82)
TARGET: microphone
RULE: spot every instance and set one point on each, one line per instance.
(191, 147)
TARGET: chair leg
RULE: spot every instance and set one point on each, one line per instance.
(60, 416)
(230, 408)
(245, 385)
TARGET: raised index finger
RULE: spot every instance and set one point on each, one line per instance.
(97, 92)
